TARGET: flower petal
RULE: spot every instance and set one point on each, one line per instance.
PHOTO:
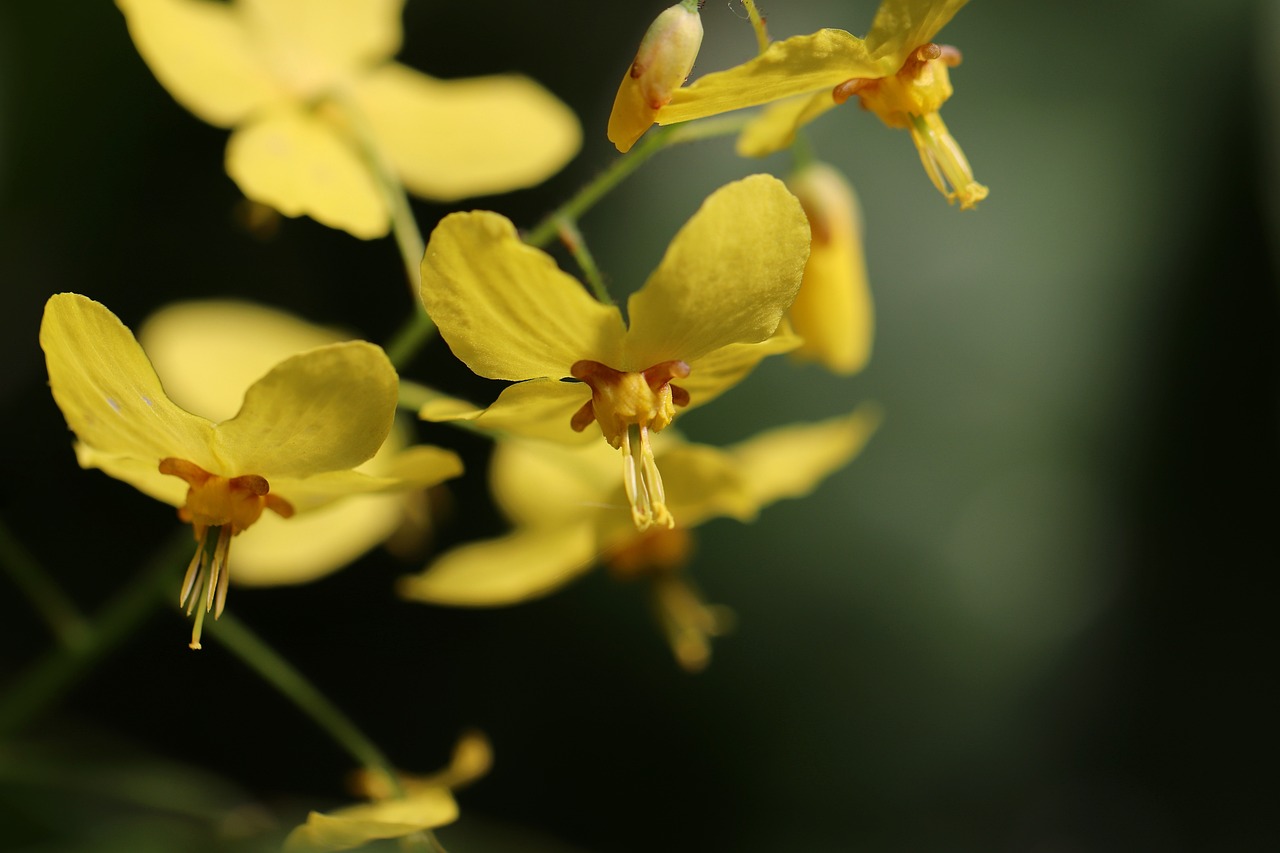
(719, 371)
(108, 392)
(833, 311)
(504, 307)
(452, 139)
(326, 409)
(528, 563)
(201, 52)
(278, 551)
(539, 408)
(789, 462)
(143, 474)
(354, 826)
(795, 66)
(415, 467)
(900, 26)
(296, 163)
(775, 128)
(316, 44)
(207, 353)
(541, 483)
(727, 277)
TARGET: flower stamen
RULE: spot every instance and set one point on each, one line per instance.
(628, 405)
(229, 504)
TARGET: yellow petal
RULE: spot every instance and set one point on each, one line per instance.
(795, 66)
(719, 371)
(207, 353)
(504, 307)
(143, 474)
(727, 277)
(529, 563)
(789, 462)
(201, 52)
(832, 311)
(326, 409)
(415, 467)
(900, 26)
(108, 391)
(317, 44)
(277, 551)
(452, 139)
(539, 408)
(354, 826)
(775, 128)
(663, 62)
(541, 483)
(298, 164)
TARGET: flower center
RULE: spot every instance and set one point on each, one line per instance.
(230, 504)
(627, 406)
(911, 98)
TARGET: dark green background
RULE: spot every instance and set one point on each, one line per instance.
(1032, 617)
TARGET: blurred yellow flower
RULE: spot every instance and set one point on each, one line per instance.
(292, 447)
(206, 354)
(662, 63)
(897, 72)
(318, 108)
(703, 320)
(568, 514)
(832, 312)
(425, 802)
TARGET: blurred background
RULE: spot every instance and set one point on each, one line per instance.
(1030, 617)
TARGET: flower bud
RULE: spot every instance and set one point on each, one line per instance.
(832, 311)
(661, 66)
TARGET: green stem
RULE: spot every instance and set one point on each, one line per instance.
(410, 338)
(573, 240)
(282, 675)
(63, 617)
(548, 229)
(46, 681)
(801, 151)
(757, 24)
(403, 223)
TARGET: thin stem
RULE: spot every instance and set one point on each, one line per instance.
(410, 338)
(46, 681)
(280, 674)
(757, 24)
(801, 151)
(573, 240)
(59, 612)
(572, 210)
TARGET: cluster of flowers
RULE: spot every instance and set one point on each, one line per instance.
(226, 410)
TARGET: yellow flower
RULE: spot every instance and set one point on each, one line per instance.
(897, 72)
(662, 63)
(832, 311)
(566, 508)
(427, 802)
(308, 87)
(292, 447)
(703, 320)
(206, 354)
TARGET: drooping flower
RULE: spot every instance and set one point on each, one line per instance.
(661, 66)
(317, 107)
(568, 514)
(206, 354)
(897, 72)
(703, 320)
(832, 312)
(424, 802)
(292, 447)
